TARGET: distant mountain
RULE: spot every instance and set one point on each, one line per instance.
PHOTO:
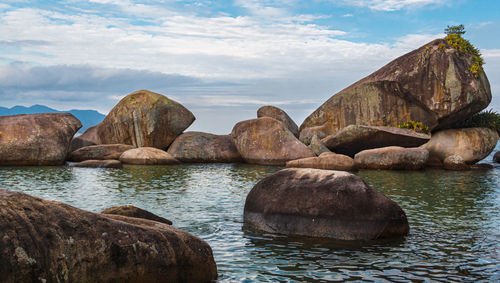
(88, 118)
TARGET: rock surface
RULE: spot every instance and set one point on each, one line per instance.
(142, 119)
(322, 203)
(307, 134)
(99, 164)
(355, 138)
(78, 142)
(99, 152)
(134, 211)
(496, 157)
(472, 144)
(204, 148)
(267, 141)
(327, 160)
(280, 115)
(392, 158)
(317, 146)
(455, 162)
(48, 241)
(432, 85)
(147, 156)
(36, 139)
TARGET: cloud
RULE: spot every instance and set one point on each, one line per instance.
(348, 15)
(393, 5)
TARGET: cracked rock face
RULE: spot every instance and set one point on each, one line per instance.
(49, 241)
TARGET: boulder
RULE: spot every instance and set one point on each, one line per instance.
(496, 157)
(48, 241)
(317, 146)
(267, 141)
(327, 160)
(280, 115)
(307, 134)
(134, 211)
(78, 142)
(99, 152)
(99, 164)
(432, 85)
(392, 158)
(142, 119)
(322, 203)
(456, 163)
(355, 138)
(147, 156)
(472, 144)
(204, 148)
(36, 139)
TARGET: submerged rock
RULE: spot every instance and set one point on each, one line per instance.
(322, 203)
(36, 139)
(133, 211)
(204, 148)
(99, 152)
(267, 141)
(392, 158)
(99, 164)
(142, 119)
(355, 138)
(49, 241)
(327, 160)
(147, 156)
(280, 115)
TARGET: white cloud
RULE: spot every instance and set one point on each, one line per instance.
(392, 5)
(348, 15)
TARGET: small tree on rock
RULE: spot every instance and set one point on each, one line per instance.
(460, 29)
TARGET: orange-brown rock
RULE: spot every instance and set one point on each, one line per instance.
(36, 139)
(471, 144)
(201, 147)
(392, 158)
(142, 119)
(280, 115)
(134, 211)
(326, 160)
(99, 164)
(307, 134)
(322, 203)
(147, 156)
(267, 141)
(48, 241)
(455, 163)
(317, 146)
(99, 152)
(432, 85)
(355, 138)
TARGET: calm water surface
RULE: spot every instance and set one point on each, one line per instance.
(454, 220)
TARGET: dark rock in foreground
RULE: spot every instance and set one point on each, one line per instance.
(99, 152)
(99, 164)
(280, 115)
(133, 211)
(36, 139)
(322, 203)
(201, 147)
(355, 138)
(48, 241)
(392, 158)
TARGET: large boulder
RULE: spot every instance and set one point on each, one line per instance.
(432, 85)
(36, 139)
(392, 158)
(116, 164)
(355, 138)
(280, 115)
(147, 156)
(134, 211)
(326, 160)
(472, 144)
(99, 152)
(142, 119)
(322, 203)
(48, 241)
(204, 148)
(267, 141)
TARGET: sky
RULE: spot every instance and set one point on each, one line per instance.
(220, 59)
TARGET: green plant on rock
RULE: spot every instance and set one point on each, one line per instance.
(415, 126)
(455, 40)
(486, 119)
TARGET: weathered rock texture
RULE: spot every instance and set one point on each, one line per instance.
(48, 241)
(322, 203)
(204, 148)
(99, 152)
(455, 162)
(99, 164)
(147, 156)
(327, 160)
(280, 115)
(267, 141)
(36, 139)
(392, 158)
(353, 139)
(432, 85)
(472, 144)
(78, 142)
(317, 146)
(307, 134)
(142, 119)
(134, 211)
